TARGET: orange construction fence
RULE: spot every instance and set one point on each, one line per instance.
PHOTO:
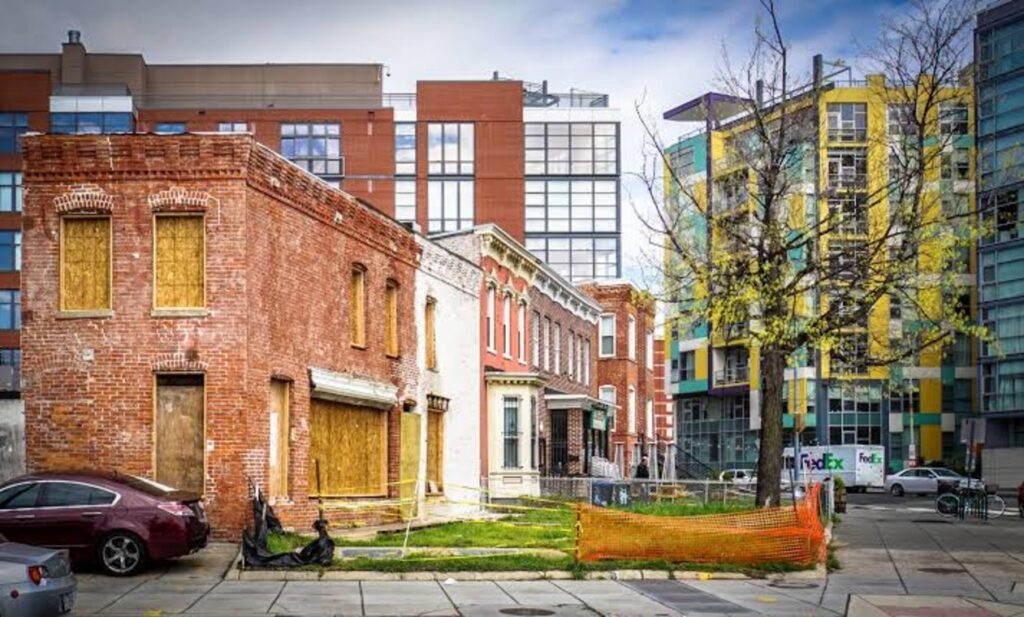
(792, 534)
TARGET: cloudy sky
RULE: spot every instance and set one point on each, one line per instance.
(655, 53)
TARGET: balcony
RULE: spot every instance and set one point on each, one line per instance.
(537, 95)
(732, 375)
(399, 100)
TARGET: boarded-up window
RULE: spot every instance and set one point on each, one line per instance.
(435, 451)
(357, 307)
(279, 439)
(180, 432)
(180, 262)
(348, 444)
(391, 346)
(431, 333)
(85, 264)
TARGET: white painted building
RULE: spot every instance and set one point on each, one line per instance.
(447, 326)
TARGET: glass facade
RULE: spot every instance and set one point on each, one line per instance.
(91, 123)
(999, 42)
(572, 197)
(717, 431)
(10, 191)
(315, 148)
(449, 205)
(11, 126)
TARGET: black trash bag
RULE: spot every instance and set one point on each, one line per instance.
(319, 552)
(264, 515)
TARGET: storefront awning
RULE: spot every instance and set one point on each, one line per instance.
(351, 389)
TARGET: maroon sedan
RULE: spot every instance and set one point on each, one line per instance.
(117, 521)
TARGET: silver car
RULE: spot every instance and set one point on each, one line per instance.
(922, 480)
(35, 582)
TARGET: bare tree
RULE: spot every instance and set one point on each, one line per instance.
(801, 251)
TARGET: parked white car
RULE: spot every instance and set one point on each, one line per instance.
(923, 480)
(737, 476)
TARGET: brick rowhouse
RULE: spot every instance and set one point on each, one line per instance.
(625, 368)
(664, 411)
(281, 254)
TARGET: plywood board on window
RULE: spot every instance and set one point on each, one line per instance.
(350, 444)
(409, 464)
(280, 418)
(180, 432)
(85, 263)
(180, 262)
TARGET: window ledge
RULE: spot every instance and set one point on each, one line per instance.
(96, 314)
(179, 312)
(358, 346)
(393, 356)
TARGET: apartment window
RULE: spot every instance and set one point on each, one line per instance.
(10, 251)
(232, 127)
(848, 259)
(631, 341)
(450, 148)
(357, 307)
(849, 213)
(850, 354)
(391, 341)
(579, 359)
(586, 361)
(558, 349)
(682, 162)
(10, 357)
(955, 165)
(578, 258)
(649, 419)
(10, 191)
(511, 432)
(902, 119)
(405, 148)
(631, 409)
(405, 200)
(521, 332)
(1001, 215)
(607, 394)
(449, 205)
(571, 364)
(847, 121)
(649, 350)
(607, 327)
(854, 412)
(535, 338)
(578, 148)
(572, 205)
(506, 326)
(12, 125)
(91, 123)
(430, 315)
(547, 344)
(492, 299)
(172, 128)
(687, 366)
(10, 309)
(85, 264)
(180, 262)
(848, 168)
(314, 147)
(953, 118)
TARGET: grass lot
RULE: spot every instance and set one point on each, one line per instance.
(549, 528)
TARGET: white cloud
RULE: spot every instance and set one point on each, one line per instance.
(569, 44)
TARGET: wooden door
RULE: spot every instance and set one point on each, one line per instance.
(348, 444)
(279, 439)
(180, 432)
(409, 465)
(435, 451)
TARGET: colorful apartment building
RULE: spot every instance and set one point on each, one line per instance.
(714, 376)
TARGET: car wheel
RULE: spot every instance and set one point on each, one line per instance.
(122, 553)
(896, 490)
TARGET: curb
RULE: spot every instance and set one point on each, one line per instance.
(515, 575)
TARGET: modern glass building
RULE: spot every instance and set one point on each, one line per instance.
(999, 58)
(714, 368)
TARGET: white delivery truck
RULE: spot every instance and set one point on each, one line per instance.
(860, 467)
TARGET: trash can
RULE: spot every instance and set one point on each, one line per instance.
(601, 494)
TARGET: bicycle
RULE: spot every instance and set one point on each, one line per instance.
(976, 502)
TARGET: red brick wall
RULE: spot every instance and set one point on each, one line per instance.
(664, 420)
(367, 140)
(496, 109)
(623, 300)
(278, 264)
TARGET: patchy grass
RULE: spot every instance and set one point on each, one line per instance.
(679, 508)
(832, 559)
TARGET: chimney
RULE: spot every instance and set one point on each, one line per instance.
(72, 59)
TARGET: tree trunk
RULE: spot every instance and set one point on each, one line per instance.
(769, 458)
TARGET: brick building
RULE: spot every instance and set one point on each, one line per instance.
(201, 311)
(664, 416)
(625, 363)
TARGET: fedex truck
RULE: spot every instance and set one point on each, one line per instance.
(860, 467)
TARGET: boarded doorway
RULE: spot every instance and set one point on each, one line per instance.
(350, 444)
(410, 463)
(279, 439)
(180, 432)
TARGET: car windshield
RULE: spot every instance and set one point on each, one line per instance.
(146, 485)
(946, 473)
